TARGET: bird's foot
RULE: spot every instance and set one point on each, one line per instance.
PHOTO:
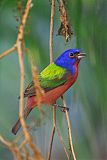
(62, 108)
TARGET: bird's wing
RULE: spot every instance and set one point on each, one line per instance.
(51, 77)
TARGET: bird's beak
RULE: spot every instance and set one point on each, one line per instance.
(81, 55)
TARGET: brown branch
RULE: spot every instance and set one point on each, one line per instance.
(8, 52)
(22, 145)
(64, 146)
(51, 142)
(51, 60)
(12, 148)
(69, 129)
(5, 141)
(22, 73)
(19, 43)
(54, 108)
(18, 47)
(53, 132)
(23, 21)
(39, 91)
(51, 30)
(26, 154)
(60, 137)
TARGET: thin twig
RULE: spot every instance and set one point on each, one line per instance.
(63, 144)
(53, 132)
(69, 129)
(51, 60)
(5, 141)
(51, 30)
(51, 144)
(22, 73)
(26, 154)
(19, 47)
(23, 144)
(19, 42)
(8, 52)
(13, 149)
(54, 108)
(39, 91)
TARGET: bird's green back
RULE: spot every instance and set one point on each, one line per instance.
(52, 76)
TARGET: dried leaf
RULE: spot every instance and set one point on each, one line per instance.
(65, 29)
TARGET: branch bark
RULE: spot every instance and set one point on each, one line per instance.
(36, 154)
(51, 60)
(53, 132)
(54, 108)
(52, 30)
(19, 47)
(69, 129)
(64, 146)
(8, 52)
(12, 148)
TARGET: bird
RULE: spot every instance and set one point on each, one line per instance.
(55, 80)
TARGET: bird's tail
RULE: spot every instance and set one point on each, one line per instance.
(17, 126)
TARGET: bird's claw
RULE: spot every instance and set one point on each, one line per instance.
(62, 108)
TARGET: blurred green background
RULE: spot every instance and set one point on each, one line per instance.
(87, 99)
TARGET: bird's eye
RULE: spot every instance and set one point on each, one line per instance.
(71, 55)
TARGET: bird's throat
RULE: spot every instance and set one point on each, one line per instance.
(74, 70)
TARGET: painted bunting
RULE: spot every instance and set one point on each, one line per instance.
(55, 80)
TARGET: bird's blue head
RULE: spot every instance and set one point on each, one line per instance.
(69, 59)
